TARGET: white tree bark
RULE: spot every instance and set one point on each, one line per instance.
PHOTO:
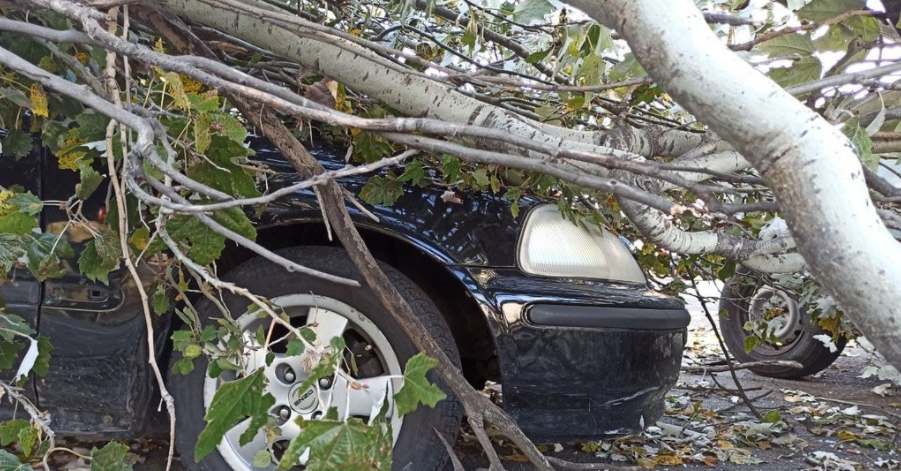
(810, 165)
(412, 95)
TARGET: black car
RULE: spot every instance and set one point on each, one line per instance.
(561, 316)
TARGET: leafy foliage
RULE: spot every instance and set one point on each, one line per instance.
(417, 387)
(336, 444)
(100, 256)
(9, 462)
(17, 143)
(233, 402)
(110, 458)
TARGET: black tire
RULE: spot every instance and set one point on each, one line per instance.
(804, 349)
(418, 447)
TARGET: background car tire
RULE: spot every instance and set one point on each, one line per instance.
(417, 447)
(806, 350)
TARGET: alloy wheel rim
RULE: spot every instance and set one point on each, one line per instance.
(357, 395)
(765, 301)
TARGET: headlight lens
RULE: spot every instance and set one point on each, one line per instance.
(552, 246)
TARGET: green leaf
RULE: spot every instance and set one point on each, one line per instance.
(98, 54)
(28, 436)
(183, 366)
(861, 142)
(382, 191)
(417, 387)
(529, 12)
(53, 135)
(9, 462)
(110, 458)
(160, 301)
(451, 169)
(230, 127)
(237, 221)
(176, 89)
(9, 354)
(308, 334)
(193, 351)
(203, 105)
(9, 431)
(12, 325)
(202, 136)
(295, 348)
(233, 402)
(481, 177)
(92, 126)
(727, 271)
(334, 444)
(591, 70)
(471, 34)
(17, 143)
(100, 256)
(45, 254)
(805, 70)
(539, 56)
(751, 342)
(262, 459)
(819, 11)
(627, 68)
(42, 364)
(224, 172)
(369, 147)
(17, 223)
(27, 48)
(204, 245)
(874, 443)
(414, 172)
(26, 203)
(865, 27)
(788, 45)
(90, 180)
(772, 417)
(16, 96)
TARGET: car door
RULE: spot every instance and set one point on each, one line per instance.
(98, 380)
(22, 293)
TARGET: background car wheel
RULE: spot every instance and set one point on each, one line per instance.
(379, 345)
(744, 301)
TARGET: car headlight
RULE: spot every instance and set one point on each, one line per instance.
(552, 246)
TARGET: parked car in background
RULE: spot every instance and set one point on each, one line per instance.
(558, 314)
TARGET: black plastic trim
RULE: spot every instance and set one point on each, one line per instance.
(612, 317)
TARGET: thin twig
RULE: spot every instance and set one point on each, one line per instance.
(731, 367)
(478, 427)
(113, 90)
(142, 293)
(741, 366)
(563, 464)
(458, 466)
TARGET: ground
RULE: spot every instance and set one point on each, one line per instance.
(834, 421)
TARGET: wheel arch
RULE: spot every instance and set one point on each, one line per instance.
(425, 265)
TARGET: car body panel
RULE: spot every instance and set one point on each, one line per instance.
(577, 383)
(464, 233)
(560, 381)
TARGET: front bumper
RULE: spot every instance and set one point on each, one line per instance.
(581, 360)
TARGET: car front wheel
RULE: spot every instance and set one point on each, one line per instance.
(376, 347)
